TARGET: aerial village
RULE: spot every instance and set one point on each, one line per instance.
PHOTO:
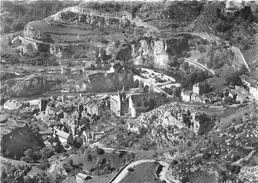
(123, 116)
(81, 120)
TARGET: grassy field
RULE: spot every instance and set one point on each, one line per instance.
(142, 173)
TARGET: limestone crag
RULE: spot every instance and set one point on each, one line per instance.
(156, 52)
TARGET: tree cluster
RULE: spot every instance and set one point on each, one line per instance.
(194, 77)
(234, 78)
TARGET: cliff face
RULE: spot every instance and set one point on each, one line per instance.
(95, 22)
(73, 30)
(156, 52)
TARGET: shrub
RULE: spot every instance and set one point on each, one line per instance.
(89, 157)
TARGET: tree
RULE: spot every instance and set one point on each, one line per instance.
(185, 65)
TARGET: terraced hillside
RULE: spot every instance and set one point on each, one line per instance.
(113, 25)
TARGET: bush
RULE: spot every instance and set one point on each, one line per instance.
(100, 151)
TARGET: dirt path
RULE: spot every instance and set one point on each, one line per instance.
(194, 62)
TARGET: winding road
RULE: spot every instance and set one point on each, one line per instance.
(120, 176)
(194, 62)
(240, 57)
(138, 22)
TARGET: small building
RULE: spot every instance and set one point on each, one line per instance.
(200, 88)
(63, 136)
(186, 95)
(12, 105)
(81, 178)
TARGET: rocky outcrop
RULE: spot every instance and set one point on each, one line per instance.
(154, 52)
(25, 87)
(69, 30)
(175, 115)
(107, 82)
(226, 154)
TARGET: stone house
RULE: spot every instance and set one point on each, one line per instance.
(200, 88)
(136, 103)
(252, 85)
(186, 95)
